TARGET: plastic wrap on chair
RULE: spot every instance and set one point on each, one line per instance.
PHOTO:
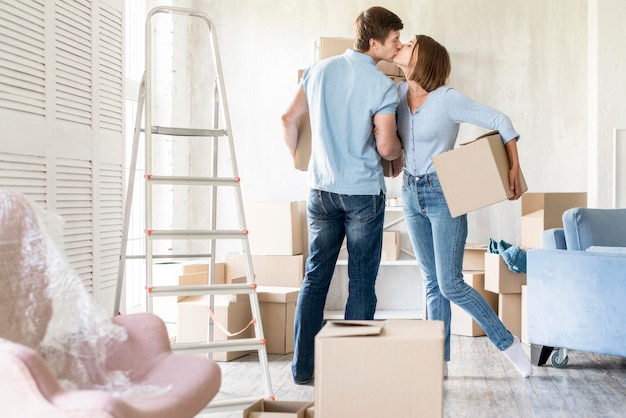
(50, 309)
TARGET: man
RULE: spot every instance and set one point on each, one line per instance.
(347, 98)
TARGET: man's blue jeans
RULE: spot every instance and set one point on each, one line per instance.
(331, 217)
(438, 240)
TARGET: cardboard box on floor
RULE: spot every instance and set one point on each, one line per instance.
(266, 408)
(462, 323)
(278, 307)
(474, 257)
(374, 369)
(541, 211)
(193, 322)
(510, 311)
(499, 278)
(269, 270)
(475, 174)
(276, 227)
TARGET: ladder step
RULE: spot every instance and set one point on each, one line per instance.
(167, 256)
(242, 344)
(164, 130)
(196, 234)
(193, 181)
(203, 289)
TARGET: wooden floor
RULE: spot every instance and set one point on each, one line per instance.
(481, 383)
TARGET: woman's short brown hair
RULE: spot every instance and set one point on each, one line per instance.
(432, 66)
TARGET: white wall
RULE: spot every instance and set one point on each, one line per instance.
(530, 59)
(607, 107)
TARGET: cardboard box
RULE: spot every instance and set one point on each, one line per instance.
(390, 250)
(193, 322)
(269, 270)
(303, 148)
(499, 278)
(275, 228)
(510, 311)
(391, 246)
(329, 47)
(524, 332)
(475, 175)
(278, 307)
(198, 274)
(462, 323)
(266, 408)
(374, 369)
(541, 211)
(474, 257)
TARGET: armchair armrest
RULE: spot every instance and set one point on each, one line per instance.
(554, 239)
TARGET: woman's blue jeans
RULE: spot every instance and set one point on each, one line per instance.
(438, 240)
(331, 217)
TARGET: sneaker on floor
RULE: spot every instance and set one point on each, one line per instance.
(304, 382)
(445, 369)
(516, 355)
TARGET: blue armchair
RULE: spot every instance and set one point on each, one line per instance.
(576, 287)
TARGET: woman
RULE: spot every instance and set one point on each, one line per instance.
(429, 116)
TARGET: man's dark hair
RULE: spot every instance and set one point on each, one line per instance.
(374, 23)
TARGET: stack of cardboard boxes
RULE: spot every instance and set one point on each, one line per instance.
(278, 239)
(278, 243)
(474, 275)
(231, 312)
(504, 289)
(542, 211)
(507, 285)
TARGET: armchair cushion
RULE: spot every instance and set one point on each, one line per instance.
(612, 250)
(554, 239)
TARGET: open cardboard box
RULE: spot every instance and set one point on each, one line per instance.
(265, 408)
(374, 369)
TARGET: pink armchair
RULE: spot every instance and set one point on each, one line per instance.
(55, 368)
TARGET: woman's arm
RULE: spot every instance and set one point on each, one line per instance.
(515, 182)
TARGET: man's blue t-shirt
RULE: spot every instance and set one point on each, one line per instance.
(344, 93)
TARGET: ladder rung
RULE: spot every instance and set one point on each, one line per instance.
(196, 234)
(203, 289)
(242, 344)
(198, 181)
(164, 130)
(167, 256)
(219, 405)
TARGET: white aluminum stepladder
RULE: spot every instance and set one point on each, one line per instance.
(210, 235)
